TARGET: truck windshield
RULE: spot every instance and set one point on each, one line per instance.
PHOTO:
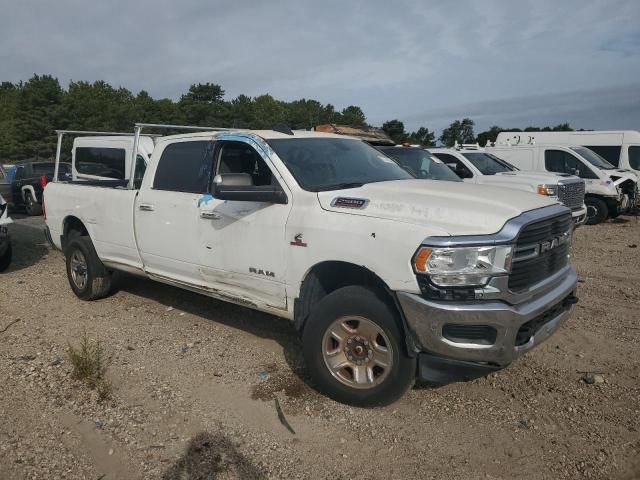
(320, 164)
(421, 163)
(489, 164)
(593, 158)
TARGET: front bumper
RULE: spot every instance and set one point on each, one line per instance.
(579, 216)
(536, 318)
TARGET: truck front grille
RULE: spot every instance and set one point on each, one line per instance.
(571, 194)
(542, 249)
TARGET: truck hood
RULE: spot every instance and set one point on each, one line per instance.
(535, 178)
(452, 207)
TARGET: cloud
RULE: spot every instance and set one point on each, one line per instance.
(597, 109)
(405, 59)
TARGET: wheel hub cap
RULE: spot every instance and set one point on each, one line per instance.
(78, 269)
(357, 352)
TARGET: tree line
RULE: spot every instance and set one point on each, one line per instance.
(30, 112)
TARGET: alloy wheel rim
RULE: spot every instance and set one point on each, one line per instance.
(357, 352)
(79, 272)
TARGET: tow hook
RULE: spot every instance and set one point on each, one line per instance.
(571, 300)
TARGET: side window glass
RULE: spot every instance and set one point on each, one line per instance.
(101, 162)
(554, 161)
(240, 157)
(2, 175)
(454, 164)
(141, 167)
(575, 164)
(185, 167)
(610, 153)
(634, 157)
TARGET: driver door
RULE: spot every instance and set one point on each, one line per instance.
(242, 243)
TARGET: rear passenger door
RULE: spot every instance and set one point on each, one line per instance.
(167, 213)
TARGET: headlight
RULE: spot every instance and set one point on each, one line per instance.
(462, 266)
(549, 190)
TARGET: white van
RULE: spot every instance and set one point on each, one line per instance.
(109, 157)
(609, 191)
(621, 148)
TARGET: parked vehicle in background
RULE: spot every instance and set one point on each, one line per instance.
(372, 135)
(21, 183)
(109, 157)
(6, 252)
(420, 163)
(621, 148)
(6, 175)
(385, 279)
(475, 165)
(609, 191)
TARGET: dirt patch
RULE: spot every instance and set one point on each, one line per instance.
(276, 381)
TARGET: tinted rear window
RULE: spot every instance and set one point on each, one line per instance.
(185, 167)
(101, 162)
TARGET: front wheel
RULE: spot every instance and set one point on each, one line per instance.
(597, 210)
(354, 348)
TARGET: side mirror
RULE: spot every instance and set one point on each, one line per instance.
(239, 187)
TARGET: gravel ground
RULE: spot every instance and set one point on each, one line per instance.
(195, 385)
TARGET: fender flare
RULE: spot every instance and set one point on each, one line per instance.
(28, 188)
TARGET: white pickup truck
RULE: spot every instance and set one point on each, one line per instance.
(387, 277)
(475, 165)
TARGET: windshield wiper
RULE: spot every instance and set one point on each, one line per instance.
(339, 186)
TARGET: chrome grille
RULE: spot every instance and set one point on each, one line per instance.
(571, 194)
(542, 249)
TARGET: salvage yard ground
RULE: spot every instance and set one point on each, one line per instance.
(195, 382)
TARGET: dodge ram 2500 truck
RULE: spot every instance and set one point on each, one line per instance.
(387, 277)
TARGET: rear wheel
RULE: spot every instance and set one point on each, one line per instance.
(597, 210)
(32, 207)
(354, 348)
(88, 277)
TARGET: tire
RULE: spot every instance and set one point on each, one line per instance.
(88, 277)
(5, 259)
(597, 210)
(368, 325)
(32, 207)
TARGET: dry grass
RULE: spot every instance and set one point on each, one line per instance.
(90, 362)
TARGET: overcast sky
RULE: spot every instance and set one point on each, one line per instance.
(507, 63)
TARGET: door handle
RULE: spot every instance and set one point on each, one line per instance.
(210, 215)
(146, 207)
